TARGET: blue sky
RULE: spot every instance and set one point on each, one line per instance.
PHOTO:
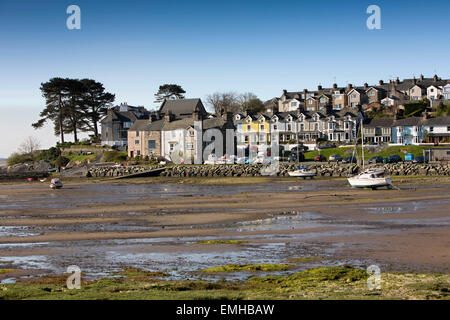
(207, 46)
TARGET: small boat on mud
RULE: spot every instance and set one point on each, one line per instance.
(371, 178)
(303, 172)
(55, 184)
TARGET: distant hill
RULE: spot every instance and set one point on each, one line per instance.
(2, 162)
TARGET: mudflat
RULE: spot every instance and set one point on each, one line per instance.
(106, 226)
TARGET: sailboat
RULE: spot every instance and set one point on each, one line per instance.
(302, 172)
(370, 178)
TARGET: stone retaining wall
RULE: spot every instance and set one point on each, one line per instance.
(323, 169)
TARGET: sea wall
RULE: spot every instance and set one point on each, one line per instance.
(323, 169)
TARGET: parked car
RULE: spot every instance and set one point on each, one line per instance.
(420, 159)
(320, 158)
(335, 158)
(212, 159)
(409, 157)
(350, 159)
(393, 158)
(296, 156)
(327, 146)
(300, 148)
(241, 160)
(376, 159)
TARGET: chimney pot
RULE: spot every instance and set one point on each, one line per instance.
(381, 82)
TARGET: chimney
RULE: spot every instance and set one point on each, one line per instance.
(335, 86)
(366, 86)
(414, 80)
(319, 88)
(284, 92)
(229, 117)
(397, 81)
(349, 86)
(168, 117)
(381, 82)
(421, 77)
(435, 78)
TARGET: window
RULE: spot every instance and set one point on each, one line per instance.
(138, 152)
(275, 127)
(189, 146)
(323, 100)
(432, 129)
(338, 106)
(302, 119)
(345, 125)
(137, 133)
(262, 127)
(293, 104)
(302, 127)
(310, 101)
(136, 141)
(289, 127)
(432, 90)
(330, 126)
(249, 127)
(172, 146)
(316, 127)
(448, 128)
(151, 144)
(371, 93)
(288, 137)
(354, 96)
(191, 133)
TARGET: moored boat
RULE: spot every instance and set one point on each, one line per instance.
(303, 172)
(56, 184)
(371, 179)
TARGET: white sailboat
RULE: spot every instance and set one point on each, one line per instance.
(303, 172)
(371, 178)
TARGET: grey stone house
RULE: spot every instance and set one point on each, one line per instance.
(118, 121)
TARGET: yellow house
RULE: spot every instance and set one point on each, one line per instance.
(256, 129)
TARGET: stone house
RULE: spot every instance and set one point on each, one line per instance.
(118, 121)
(144, 138)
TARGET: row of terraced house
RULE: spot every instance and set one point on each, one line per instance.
(295, 117)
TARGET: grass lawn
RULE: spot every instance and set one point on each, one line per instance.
(82, 158)
(347, 151)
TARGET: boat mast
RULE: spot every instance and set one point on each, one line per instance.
(362, 143)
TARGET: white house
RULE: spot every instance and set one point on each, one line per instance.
(434, 92)
(446, 92)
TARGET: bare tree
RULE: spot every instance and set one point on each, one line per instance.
(30, 145)
(225, 102)
(247, 97)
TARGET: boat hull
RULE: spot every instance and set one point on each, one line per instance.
(370, 182)
(301, 174)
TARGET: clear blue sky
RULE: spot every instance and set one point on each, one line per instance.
(207, 46)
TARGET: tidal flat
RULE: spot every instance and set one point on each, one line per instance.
(264, 238)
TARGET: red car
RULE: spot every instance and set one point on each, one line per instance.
(320, 158)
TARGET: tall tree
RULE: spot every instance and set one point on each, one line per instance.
(75, 111)
(169, 91)
(56, 93)
(225, 102)
(253, 106)
(97, 102)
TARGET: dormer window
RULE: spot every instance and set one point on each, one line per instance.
(310, 101)
(293, 104)
(323, 100)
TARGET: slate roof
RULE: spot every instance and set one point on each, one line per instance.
(379, 122)
(182, 107)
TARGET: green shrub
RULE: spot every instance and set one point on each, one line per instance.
(61, 161)
(114, 156)
(17, 158)
(50, 154)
